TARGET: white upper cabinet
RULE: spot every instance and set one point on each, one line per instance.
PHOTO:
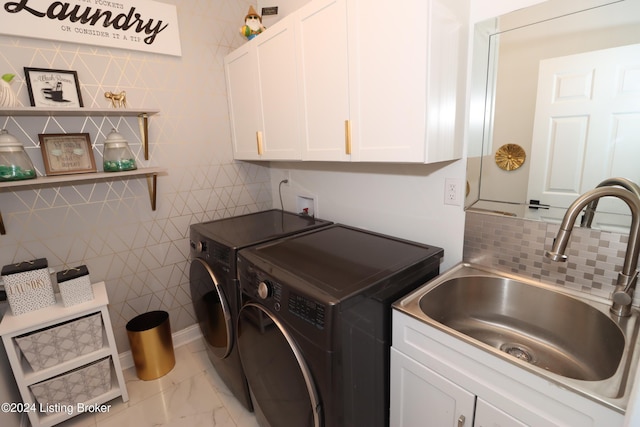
(354, 80)
(262, 88)
(407, 68)
(324, 77)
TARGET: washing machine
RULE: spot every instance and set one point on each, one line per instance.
(314, 332)
(214, 285)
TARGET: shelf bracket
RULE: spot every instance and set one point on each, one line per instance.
(152, 181)
(143, 123)
(3, 231)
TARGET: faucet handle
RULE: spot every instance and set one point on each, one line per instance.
(620, 297)
(623, 293)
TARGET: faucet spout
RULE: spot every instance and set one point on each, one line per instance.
(590, 211)
(627, 278)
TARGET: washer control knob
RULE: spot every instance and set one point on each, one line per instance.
(264, 290)
(201, 246)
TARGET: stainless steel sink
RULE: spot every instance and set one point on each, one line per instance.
(560, 335)
(542, 327)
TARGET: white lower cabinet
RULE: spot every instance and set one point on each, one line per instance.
(424, 398)
(420, 397)
(438, 380)
(488, 415)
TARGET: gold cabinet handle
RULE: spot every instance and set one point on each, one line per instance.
(461, 420)
(347, 136)
(259, 141)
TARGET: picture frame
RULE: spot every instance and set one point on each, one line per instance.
(53, 88)
(67, 153)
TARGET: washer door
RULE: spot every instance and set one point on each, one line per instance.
(211, 307)
(279, 379)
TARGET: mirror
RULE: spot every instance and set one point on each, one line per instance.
(536, 74)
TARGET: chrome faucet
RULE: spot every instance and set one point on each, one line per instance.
(590, 211)
(627, 278)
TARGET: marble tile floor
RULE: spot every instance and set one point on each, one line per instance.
(191, 395)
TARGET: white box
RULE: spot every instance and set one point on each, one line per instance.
(28, 286)
(75, 286)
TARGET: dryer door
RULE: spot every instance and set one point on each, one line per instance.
(279, 379)
(211, 307)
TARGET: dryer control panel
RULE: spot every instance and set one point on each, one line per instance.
(306, 309)
(258, 285)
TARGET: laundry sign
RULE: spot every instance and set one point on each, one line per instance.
(142, 25)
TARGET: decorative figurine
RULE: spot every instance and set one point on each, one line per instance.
(7, 97)
(117, 99)
(252, 24)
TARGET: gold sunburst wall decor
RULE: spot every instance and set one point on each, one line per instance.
(510, 157)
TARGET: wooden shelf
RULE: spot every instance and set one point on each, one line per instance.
(141, 114)
(94, 176)
(143, 123)
(51, 181)
(80, 112)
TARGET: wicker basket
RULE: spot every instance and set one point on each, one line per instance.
(52, 346)
(77, 386)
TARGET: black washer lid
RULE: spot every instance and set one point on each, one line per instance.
(340, 260)
(244, 230)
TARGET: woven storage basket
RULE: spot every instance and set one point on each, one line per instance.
(77, 386)
(52, 346)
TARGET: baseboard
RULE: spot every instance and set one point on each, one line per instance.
(179, 338)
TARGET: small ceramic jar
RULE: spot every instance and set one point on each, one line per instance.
(117, 155)
(15, 164)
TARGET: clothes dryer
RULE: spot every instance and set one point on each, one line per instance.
(314, 333)
(214, 286)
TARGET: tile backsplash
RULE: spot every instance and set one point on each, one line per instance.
(517, 246)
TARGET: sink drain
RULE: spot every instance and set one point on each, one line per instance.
(519, 351)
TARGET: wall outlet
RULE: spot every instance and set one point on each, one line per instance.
(286, 176)
(453, 192)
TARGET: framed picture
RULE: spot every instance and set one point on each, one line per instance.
(53, 88)
(67, 153)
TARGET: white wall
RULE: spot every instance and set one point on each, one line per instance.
(402, 200)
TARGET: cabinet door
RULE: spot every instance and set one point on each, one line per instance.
(422, 398)
(278, 90)
(263, 96)
(407, 84)
(389, 79)
(244, 101)
(324, 74)
(488, 415)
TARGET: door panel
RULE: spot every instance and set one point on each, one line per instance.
(212, 308)
(279, 379)
(324, 78)
(588, 111)
(422, 398)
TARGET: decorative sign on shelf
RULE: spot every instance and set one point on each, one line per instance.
(142, 25)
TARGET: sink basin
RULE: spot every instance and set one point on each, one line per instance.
(566, 337)
(544, 328)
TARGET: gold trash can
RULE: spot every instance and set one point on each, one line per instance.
(151, 344)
